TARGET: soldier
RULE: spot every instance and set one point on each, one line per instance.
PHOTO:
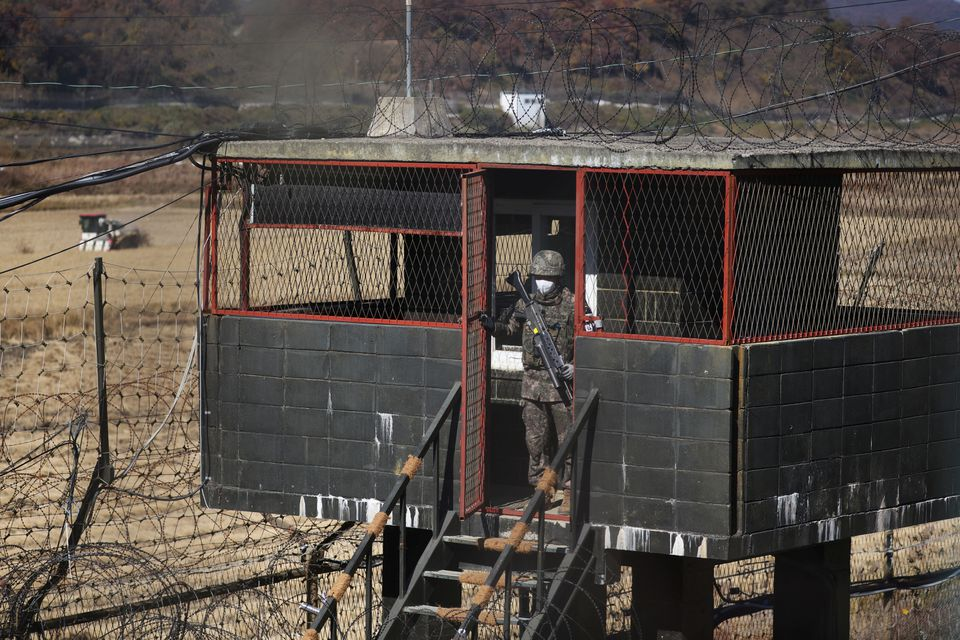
(545, 417)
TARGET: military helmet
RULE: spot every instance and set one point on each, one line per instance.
(547, 263)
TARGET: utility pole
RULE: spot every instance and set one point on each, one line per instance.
(409, 56)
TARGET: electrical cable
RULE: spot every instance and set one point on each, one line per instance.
(112, 175)
(72, 156)
(88, 127)
(176, 399)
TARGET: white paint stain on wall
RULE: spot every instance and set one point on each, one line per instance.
(828, 529)
(413, 516)
(702, 549)
(676, 549)
(357, 509)
(340, 508)
(382, 433)
(623, 468)
(633, 539)
(787, 509)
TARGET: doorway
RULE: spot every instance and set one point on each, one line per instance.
(530, 210)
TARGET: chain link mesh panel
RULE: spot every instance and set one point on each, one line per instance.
(475, 345)
(351, 241)
(653, 252)
(834, 253)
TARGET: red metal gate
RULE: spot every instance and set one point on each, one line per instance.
(476, 343)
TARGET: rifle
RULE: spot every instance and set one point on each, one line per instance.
(542, 340)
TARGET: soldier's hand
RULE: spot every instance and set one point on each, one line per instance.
(486, 321)
(566, 372)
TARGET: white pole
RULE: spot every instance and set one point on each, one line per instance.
(409, 56)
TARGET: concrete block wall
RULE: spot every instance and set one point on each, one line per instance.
(847, 435)
(316, 417)
(713, 451)
(663, 447)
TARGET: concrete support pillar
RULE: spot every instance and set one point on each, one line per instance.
(811, 588)
(426, 118)
(672, 597)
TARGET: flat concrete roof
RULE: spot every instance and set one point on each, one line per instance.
(678, 153)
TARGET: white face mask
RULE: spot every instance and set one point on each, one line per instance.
(544, 286)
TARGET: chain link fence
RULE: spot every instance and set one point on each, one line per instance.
(366, 241)
(845, 252)
(653, 254)
(149, 558)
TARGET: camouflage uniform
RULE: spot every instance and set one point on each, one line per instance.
(545, 417)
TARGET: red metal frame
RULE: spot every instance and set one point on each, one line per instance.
(466, 508)
(533, 167)
(580, 275)
(214, 214)
(345, 227)
(730, 254)
(351, 319)
(661, 172)
(245, 309)
(579, 267)
(729, 227)
(243, 237)
(799, 335)
(206, 244)
(650, 338)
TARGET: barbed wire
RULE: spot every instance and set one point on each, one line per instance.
(617, 76)
(153, 561)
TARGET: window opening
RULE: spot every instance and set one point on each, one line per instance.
(839, 252)
(334, 240)
(653, 253)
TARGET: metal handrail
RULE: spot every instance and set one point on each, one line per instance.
(327, 612)
(536, 505)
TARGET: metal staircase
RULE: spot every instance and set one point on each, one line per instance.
(521, 584)
(540, 590)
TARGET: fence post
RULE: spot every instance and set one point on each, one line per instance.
(104, 470)
(25, 616)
